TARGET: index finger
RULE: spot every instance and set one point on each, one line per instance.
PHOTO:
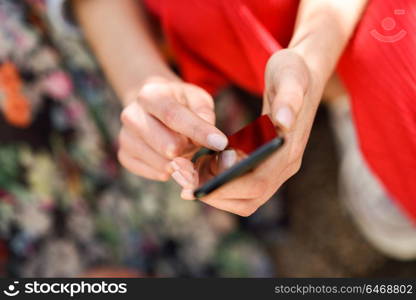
(181, 119)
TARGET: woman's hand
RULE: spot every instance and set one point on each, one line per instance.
(291, 97)
(164, 119)
(153, 133)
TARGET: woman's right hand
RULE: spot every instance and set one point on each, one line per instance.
(165, 119)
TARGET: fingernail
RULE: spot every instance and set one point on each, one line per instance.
(284, 117)
(228, 158)
(179, 178)
(217, 141)
(188, 175)
(175, 166)
(187, 194)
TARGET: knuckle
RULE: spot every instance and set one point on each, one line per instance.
(125, 115)
(203, 94)
(121, 156)
(171, 150)
(153, 89)
(164, 177)
(170, 115)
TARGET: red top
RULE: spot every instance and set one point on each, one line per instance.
(217, 42)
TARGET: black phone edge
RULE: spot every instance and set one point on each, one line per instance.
(241, 168)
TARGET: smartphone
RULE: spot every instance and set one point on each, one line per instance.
(247, 164)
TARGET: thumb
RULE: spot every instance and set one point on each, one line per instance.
(287, 79)
(286, 99)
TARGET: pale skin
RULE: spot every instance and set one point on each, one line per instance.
(165, 120)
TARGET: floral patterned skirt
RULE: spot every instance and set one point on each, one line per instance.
(66, 206)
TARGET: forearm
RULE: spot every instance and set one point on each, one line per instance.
(118, 33)
(323, 28)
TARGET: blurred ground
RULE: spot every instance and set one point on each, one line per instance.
(321, 239)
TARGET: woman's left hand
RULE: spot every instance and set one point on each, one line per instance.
(292, 95)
